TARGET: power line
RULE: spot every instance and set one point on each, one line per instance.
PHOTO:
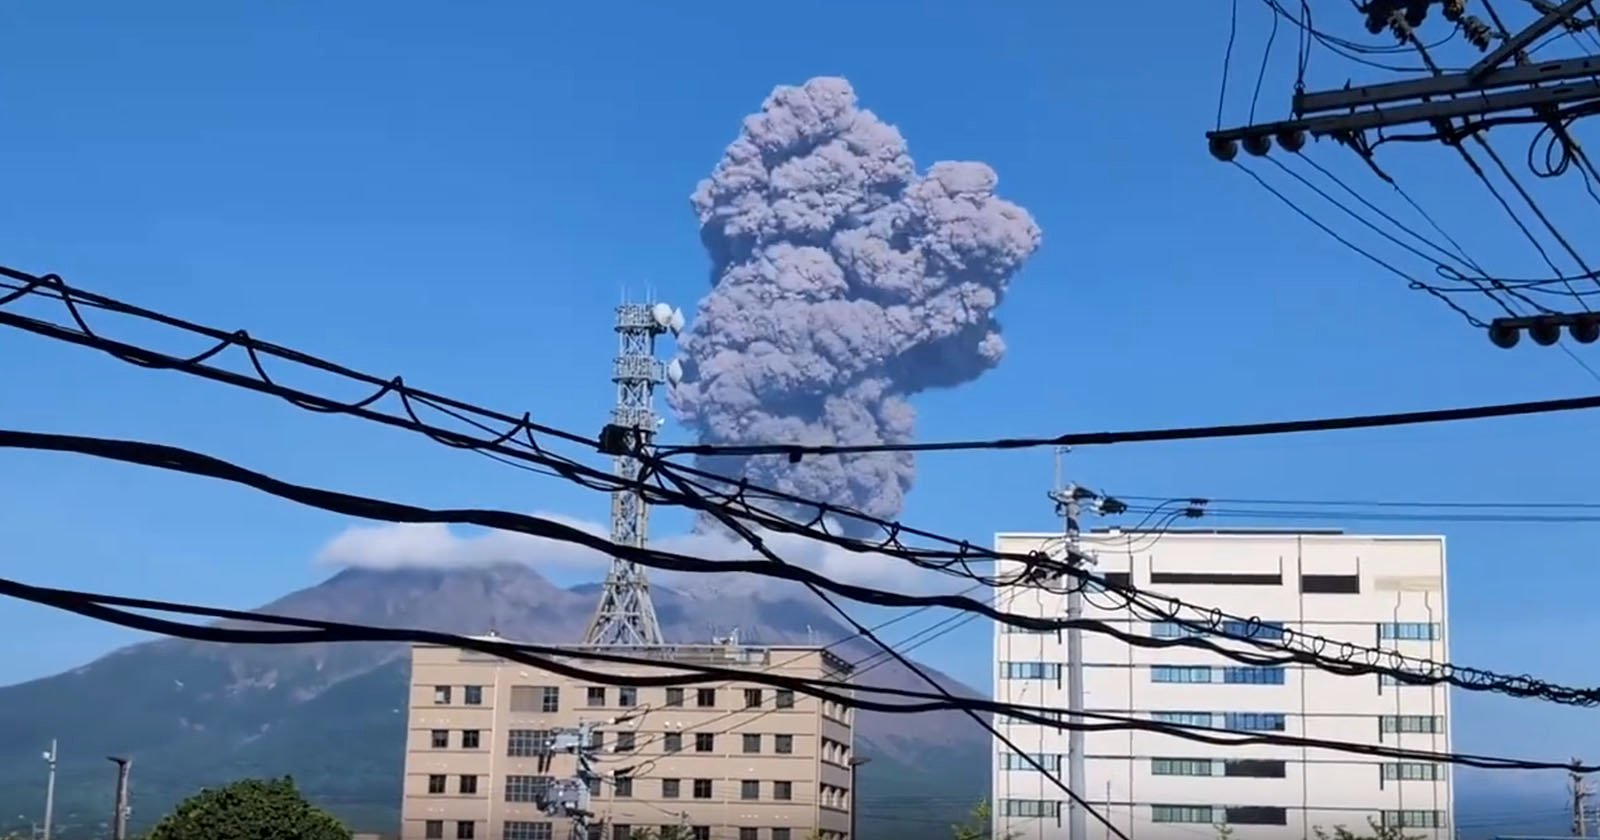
(700, 497)
(1075, 439)
(119, 610)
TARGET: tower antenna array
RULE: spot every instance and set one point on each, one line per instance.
(625, 616)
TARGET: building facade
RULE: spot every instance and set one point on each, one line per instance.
(713, 761)
(1375, 591)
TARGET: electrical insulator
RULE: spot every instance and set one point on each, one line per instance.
(1223, 150)
(1545, 331)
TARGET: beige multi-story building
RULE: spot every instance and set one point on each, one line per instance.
(712, 761)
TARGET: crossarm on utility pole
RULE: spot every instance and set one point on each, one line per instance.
(1521, 40)
(1425, 112)
(1447, 84)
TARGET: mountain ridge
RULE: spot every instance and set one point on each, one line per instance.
(194, 714)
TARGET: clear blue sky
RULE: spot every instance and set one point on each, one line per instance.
(460, 192)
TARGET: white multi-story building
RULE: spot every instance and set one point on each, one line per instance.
(1373, 591)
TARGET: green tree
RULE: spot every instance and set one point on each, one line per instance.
(977, 825)
(1339, 832)
(249, 809)
(1379, 832)
(666, 832)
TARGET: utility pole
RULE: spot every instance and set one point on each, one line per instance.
(1067, 498)
(119, 820)
(1487, 88)
(626, 617)
(1580, 801)
(569, 797)
(50, 790)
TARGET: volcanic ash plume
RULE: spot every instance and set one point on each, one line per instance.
(843, 283)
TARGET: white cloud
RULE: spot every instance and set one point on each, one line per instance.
(440, 546)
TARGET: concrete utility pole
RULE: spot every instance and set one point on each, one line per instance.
(1580, 801)
(119, 820)
(626, 617)
(50, 790)
(1067, 498)
(855, 793)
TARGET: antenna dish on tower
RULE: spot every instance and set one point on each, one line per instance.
(662, 312)
(675, 371)
(676, 322)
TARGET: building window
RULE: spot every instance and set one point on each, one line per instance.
(1408, 631)
(699, 832)
(441, 739)
(597, 740)
(1173, 630)
(748, 833)
(1413, 771)
(623, 785)
(1182, 718)
(474, 695)
(1030, 670)
(670, 789)
(1254, 722)
(1432, 724)
(1181, 814)
(627, 697)
(593, 784)
(749, 789)
(1218, 578)
(785, 700)
(752, 743)
(595, 695)
(1330, 584)
(1255, 768)
(624, 742)
(705, 741)
(433, 830)
(702, 788)
(783, 744)
(441, 695)
(550, 699)
(469, 739)
(621, 831)
(705, 698)
(672, 742)
(466, 830)
(1030, 808)
(526, 788)
(1259, 630)
(752, 698)
(1051, 762)
(521, 830)
(674, 697)
(1390, 680)
(436, 784)
(467, 784)
(1413, 819)
(1180, 674)
(1256, 815)
(523, 743)
(782, 834)
(527, 698)
(783, 791)
(1254, 676)
(1180, 766)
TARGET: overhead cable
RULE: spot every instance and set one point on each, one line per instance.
(518, 443)
(1350, 659)
(119, 610)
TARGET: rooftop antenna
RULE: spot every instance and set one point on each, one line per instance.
(625, 616)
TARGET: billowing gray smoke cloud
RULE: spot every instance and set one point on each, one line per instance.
(843, 283)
